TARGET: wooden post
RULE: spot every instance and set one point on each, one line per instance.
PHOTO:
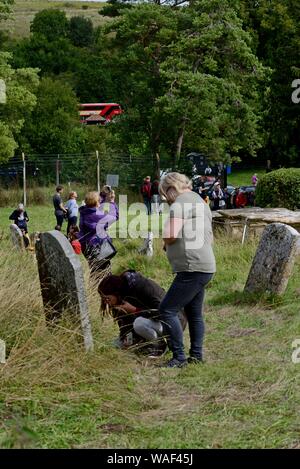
(57, 171)
(98, 171)
(24, 180)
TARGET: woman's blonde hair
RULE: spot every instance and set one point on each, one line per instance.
(92, 199)
(172, 185)
(72, 194)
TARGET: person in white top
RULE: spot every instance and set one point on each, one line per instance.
(72, 208)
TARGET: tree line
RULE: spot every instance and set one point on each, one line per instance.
(212, 76)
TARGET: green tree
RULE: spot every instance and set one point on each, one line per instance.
(52, 24)
(81, 31)
(214, 85)
(188, 79)
(278, 26)
(54, 127)
(5, 8)
(21, 84)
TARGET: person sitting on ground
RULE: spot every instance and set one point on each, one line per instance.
(133, 301)
(20, 218)
(72, 210)
(59, 209)
(72, 237)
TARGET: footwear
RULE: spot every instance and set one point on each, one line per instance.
(158, 349)
(174, 363)
(194, 360)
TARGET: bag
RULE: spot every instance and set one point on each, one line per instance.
(102, 252)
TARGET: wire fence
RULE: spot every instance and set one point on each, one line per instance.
(86, 171)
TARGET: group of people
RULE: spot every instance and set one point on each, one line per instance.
(148, 317)
(219, 198)
(91, 235)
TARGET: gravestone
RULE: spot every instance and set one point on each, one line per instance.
(62, 282)
(2, 352)
(274, 259)
(17, 237)
(147, 247)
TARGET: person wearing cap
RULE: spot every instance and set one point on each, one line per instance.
(20, 218)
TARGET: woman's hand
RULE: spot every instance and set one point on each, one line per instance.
(129, 308)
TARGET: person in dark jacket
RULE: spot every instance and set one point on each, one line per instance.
(94, 222)
(20, 218)
(133, 301)
(59, 210)
(146, 191)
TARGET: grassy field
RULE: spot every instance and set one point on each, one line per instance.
(24, 12)
(54, 395)
(242, 177)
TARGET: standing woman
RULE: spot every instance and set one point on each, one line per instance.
(188, 242)
(94, 222)
(72, 208)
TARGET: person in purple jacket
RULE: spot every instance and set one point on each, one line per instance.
(94, 222)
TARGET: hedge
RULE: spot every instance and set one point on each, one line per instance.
(280, 188)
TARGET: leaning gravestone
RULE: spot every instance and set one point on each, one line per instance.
(62, 282)
(274, 259)
(17, 237)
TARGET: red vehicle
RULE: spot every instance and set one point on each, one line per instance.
(98, 113)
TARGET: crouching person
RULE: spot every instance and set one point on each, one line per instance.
(133, 301)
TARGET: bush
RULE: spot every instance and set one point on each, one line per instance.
(280, 188)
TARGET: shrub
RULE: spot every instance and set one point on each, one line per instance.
(280, 188)
(38, 196)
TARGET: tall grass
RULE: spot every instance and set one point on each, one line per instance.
(55, 395)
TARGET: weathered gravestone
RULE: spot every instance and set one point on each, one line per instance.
(2, 352)
(147, 247)
(274, 259)
(17, 237)
(62, 282)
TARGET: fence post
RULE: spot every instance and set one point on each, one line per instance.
(24, 180)
(98, 171)
(57, 171)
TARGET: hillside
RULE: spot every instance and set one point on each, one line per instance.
(24, 12)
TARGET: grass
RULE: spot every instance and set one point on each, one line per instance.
(242, 177)
(54, 395)
(24, 12)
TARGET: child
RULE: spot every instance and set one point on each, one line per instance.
(73, 239)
